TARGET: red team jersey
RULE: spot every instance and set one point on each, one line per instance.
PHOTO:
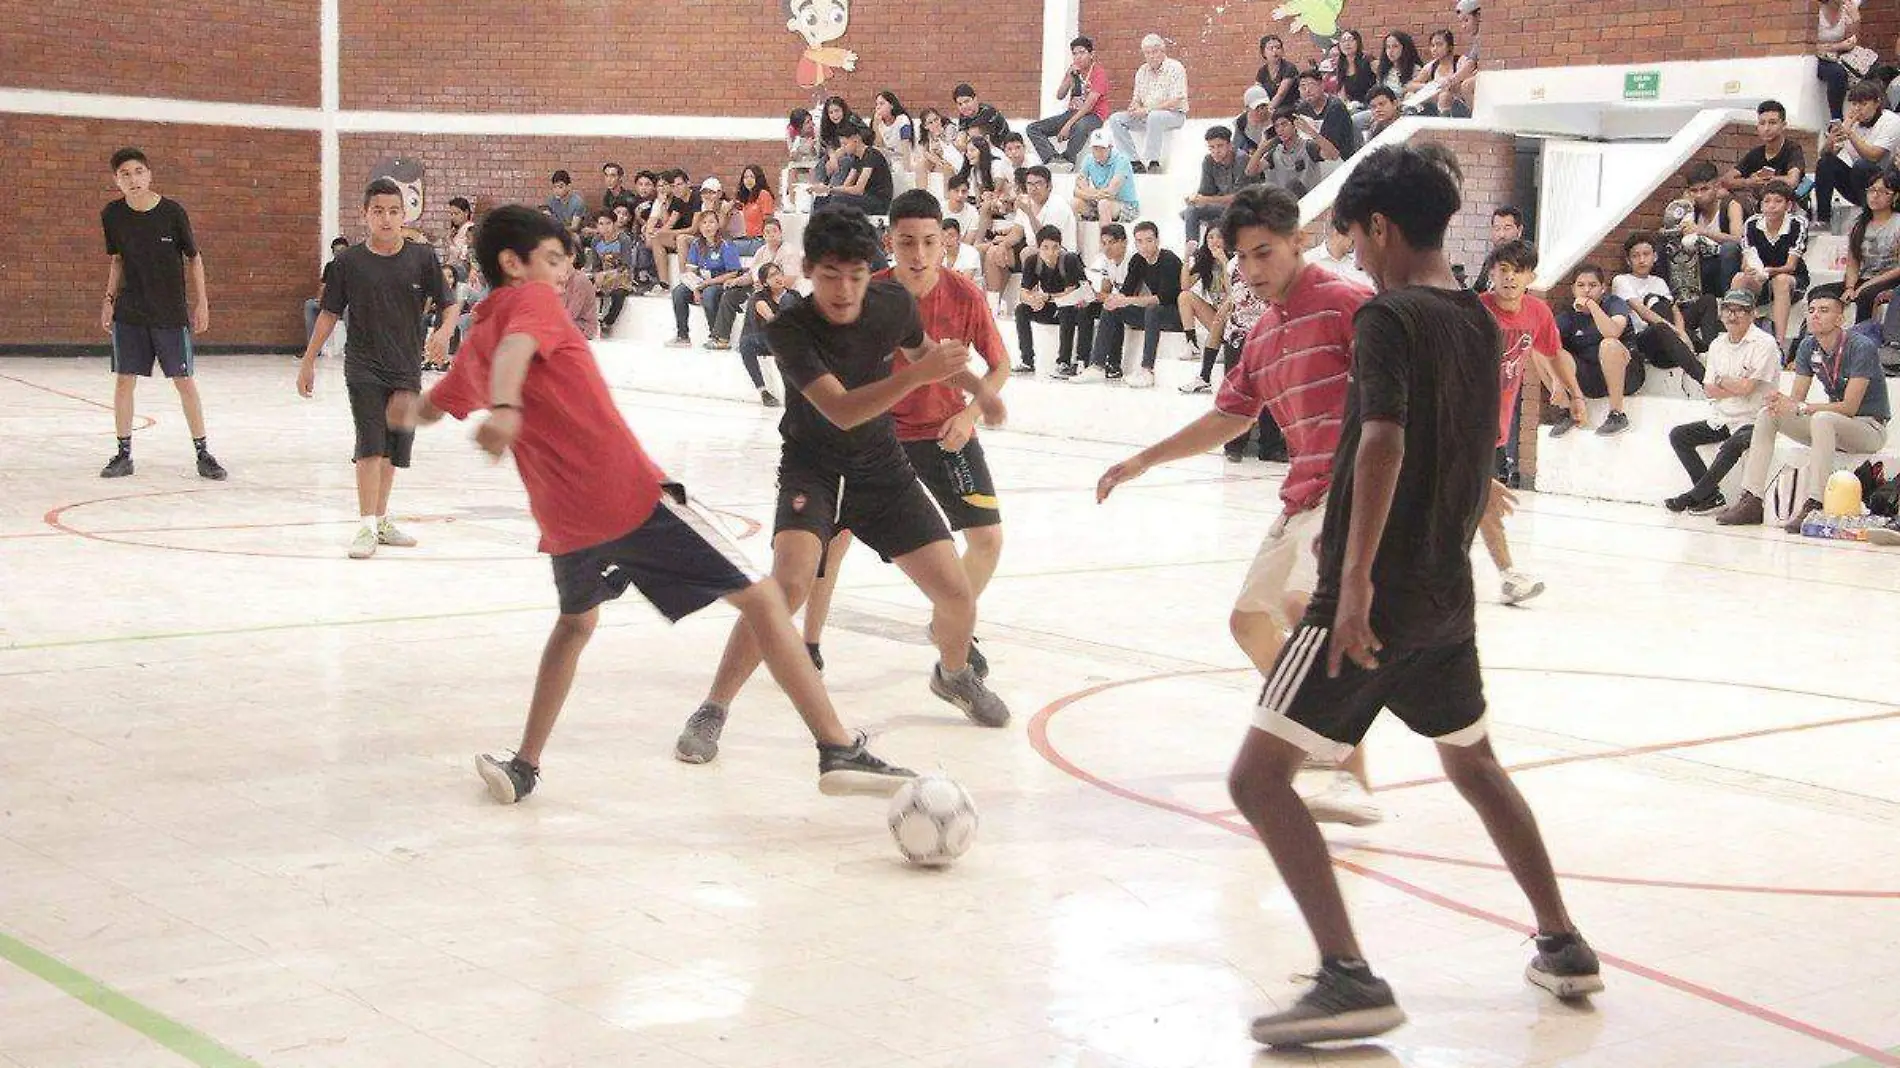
(1295, 365)
(588, 479)
(1531, 328)
(955, 310)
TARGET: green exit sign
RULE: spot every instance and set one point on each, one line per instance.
(1641, 84)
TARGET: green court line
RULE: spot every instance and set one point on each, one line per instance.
(197, 1048)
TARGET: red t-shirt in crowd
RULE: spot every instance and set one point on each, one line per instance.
(953, 310)
(1295, 364)
(588, 479)
(1531, 328)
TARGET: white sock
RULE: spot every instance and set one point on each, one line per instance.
(380, 520)
(369, 522)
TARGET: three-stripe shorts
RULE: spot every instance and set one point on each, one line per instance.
(678, 559)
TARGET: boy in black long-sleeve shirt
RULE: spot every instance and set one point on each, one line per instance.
(1146, 300)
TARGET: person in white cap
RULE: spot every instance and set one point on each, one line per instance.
(1157, 108)
(712, 197)
(1253, 127)
(1105, 186)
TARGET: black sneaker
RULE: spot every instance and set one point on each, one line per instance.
(978, 662)
(1234, 457)
(846, 770)
(1065, 371)
(699, 742)
(209, 467)
(1708, 506)
(1565, 965)
(508, 781)
(1563, 424)
(966, 691)
(767, 399)
(1339, 1005)
(1613, 424)
(817, 658)
(1113, 374)
(1139, 167)
(1680, 502)
(118, 467)
(1023, 369)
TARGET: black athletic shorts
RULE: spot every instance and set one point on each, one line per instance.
(1590, 375)
(136, 349)
(678, 559)
(1436, 691)
(890, 514)
(960, 481)
(369, 410)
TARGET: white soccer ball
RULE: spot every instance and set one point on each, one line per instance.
(933, 821)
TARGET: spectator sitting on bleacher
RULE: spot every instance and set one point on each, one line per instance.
(1774, 256)
(1037, 208)
(1293, 160)
(313, 306)
(1459, 95)
(614, 175)
(578, 292)
(461, 233)
(712, 264)
(1277, 76)
(977, 119)
(1016, 154)
(1330, 121)
(670, 225)
(1054, 283)
(1148, 299)
(1398, 62)
(1107, 272)
(1204, 302)
(869, 185)
(1713, 228)
(1873, 256)
(1595, 359)
(956, 205)
(1855, 149)
(832, 119)
(936, 151)
(1223, 173)
(1507, 225)
(1854, 418)
(1084, 87)
(772, 295)
(1253, 127)
(959, 255)
(774, 251)
(1836, 33)
(753, 204)
(568, 207)
(1657, 333)
(801, 139)
(1441, 61)
(1157, 108)
(1354, 70)
(1335, 253)
(612, 283)
(1382, 105)
(1105, 186)
(984, 174)
(893, 132)
(1776, 158)
(1743, 367)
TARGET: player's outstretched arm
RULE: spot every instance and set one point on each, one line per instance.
(503, 424)
(1213, 429)
(1375, 475)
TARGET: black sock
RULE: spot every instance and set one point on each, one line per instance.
(1352, 966)
(199, 444)
(1553, 942)
(125, 445)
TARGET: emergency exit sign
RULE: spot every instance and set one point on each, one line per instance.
(1641, 84)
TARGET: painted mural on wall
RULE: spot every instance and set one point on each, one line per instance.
(1317, 17)
(820, 22)
(408, 174)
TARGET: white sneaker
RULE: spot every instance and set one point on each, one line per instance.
(1141, 378)
(1519, 587)
(1197, 385)
(1345, 801)
(363, 546)
(1091, 373)
(388, 534)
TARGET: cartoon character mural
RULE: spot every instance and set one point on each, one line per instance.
(820, 22)
(1317, 17)
(406, 173)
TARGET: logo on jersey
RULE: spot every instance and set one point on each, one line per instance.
(798, 503)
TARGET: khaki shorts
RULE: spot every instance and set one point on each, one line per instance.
(1285, 564)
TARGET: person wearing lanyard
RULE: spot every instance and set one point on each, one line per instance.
(1854, 418)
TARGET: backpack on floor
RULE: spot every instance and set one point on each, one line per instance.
(1782, 496)
(1884, 499)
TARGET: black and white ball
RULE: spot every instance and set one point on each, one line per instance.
(933, 821)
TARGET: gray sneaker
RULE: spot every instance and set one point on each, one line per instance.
(1338, 1006)
(969, 693)
(1613, 424)
(848, 770)
(1566, 966)
(699, 742)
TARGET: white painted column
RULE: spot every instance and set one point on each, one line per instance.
(330, 36)
(1060, 23)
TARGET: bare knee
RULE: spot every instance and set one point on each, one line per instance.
(576, 628)
(987, 541)
(1472, 769)
(1783, 284)
(1263, 773)
(1250, 628)
(1613, 353)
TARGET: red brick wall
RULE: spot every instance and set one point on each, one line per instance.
(249, 192)
(1555, 33)
(252, 51)
(1219, 41)
(710, 57)
(500, 170)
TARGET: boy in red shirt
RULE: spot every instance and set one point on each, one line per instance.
(1297, 364)
(608, 517)
(936, 423)
(1529, 329)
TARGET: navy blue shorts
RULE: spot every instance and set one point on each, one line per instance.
(137, 348)
(678, 560)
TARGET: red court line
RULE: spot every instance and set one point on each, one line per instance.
(142, 422)
(1038, 732)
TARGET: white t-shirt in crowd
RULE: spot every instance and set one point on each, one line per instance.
(1057, 213)
(1757, 357)
(969, 262)
(1885, 133)
(969, 219)
(1347, 268)
(1633, 290)
(1114, 272)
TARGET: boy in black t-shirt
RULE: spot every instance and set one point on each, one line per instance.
(842, 467)
(1777, 157)
(1052, 278)
(150, 241)
(387, 285)
(1391, 622)
(1149, 298)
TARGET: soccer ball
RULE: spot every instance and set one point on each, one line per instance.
(933, 821)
